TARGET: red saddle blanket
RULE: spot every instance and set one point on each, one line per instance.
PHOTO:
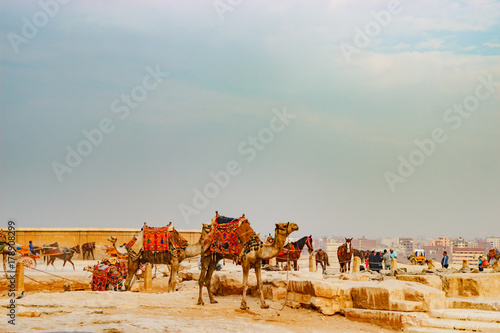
(155, 239)
(104, 275)
(162, 239)
(223, 238)
(287, 249)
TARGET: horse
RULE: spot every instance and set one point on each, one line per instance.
(45, 249)
(64, 254)
(322, 259)
(360, 254)
(88, 249)
(344, 254)
(293, 250)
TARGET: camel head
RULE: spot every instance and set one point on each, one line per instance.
(285, 229)
(112, 239)
(205, 229)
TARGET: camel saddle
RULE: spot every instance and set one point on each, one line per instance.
(223, 237)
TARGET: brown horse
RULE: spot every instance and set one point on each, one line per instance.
(344, 254)
(64, 254)
(45, 249)
(88, 249)
(322, 259)
(293, 250)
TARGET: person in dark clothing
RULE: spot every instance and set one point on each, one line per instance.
(444, 260)
(375, 261)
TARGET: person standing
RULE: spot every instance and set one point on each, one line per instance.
(386, 258)
(393, 254)
(444, 260)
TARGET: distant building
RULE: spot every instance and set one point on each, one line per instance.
(459, 242)
(435, 252)
(467, 253)
(331, 250)
(441, 241)
(406, 244)
(494, 242)
(364, 244)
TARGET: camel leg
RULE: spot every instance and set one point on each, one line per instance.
(258, 272)
(246, 269)
(208, 279)
(203, 272)
(132, 268)
(173, 274)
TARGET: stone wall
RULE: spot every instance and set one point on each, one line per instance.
(69, 237)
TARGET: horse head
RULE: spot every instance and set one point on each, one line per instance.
(309, 244)
(76, 249)
(348, 244)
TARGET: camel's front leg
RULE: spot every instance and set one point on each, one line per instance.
(208, 278)
(173, 274)
(205, 261)
(246, 269)
(132, 268)
(258, 272)
(4, 268)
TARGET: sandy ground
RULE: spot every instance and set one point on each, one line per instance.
(45, 307)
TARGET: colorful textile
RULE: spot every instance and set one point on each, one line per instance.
(224, 238)
(131, 242)
(104, 275)
(177, 242)
(155, 239)
(287, 249)
(100, 277)
(252, 245)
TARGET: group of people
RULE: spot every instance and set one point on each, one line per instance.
(377, 261)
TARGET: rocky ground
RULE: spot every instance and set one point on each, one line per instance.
(45, 307)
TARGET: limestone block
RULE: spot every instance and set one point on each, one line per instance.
(433, 281)
(325, 305)
(356, 262)
(325, 289)
(302, 286)
(394, 264)
(472, 285)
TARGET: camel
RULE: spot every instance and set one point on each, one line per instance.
(135, 259)
(248, 257)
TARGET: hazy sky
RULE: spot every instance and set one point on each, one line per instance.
(375, 118)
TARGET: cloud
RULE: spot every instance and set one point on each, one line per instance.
(431, 44)
(491, 44)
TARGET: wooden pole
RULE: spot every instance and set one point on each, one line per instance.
(312, 262)
(19, 285)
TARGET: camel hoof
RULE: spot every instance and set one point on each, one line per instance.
(200, 303)
(214, 301)
(264, 306)
(244, 307)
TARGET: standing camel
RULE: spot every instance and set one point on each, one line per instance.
(88, 249)
(344, 254)
(64, 254)
(139, 257)
(322, 259)
(251, 255)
